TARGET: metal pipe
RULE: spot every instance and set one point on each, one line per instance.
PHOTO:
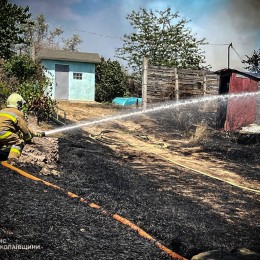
(230, 45)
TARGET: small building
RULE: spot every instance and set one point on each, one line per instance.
(236, 112)
(72, 73)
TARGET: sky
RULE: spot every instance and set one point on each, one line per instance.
(101, 24)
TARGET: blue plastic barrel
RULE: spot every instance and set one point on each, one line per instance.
(127, 101)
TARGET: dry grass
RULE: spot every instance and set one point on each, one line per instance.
(201, 134)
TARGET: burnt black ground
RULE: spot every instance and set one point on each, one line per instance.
(64, 228)
(187, 212)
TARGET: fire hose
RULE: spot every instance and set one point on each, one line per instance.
(117, 217)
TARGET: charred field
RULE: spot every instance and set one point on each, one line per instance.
(131, 168)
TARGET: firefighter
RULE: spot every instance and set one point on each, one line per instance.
(14, 131)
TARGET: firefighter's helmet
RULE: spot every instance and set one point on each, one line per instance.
(15, 100)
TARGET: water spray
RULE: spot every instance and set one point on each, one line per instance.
(151, 110)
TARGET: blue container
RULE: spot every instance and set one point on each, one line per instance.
(128, 101)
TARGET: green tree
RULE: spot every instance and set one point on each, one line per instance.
(253, 62)
(38, 33)
(161, 36)
(12, 17)
(111, 81)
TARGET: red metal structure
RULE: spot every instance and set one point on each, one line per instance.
(236, 112)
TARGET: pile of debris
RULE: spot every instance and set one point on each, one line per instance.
(42, 153)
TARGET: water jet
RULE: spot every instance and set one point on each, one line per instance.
(161, 107)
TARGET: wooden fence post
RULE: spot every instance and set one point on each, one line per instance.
(204, 91)
(204, 84)
(177, 94)
(144, 82)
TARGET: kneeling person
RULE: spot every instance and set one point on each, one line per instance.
(14, 131)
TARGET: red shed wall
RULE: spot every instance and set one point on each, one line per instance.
(240, 111)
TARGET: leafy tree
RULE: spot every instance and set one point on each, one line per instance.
(40, 36)
(40, 30)
(12, 17)
(55, 33)
(161, 36)
(37, 32)
(111, 81)
(72, 43)
(253, 62)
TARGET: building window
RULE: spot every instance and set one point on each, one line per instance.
(77, 76)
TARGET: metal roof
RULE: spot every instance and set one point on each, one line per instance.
(50, 54)
(254, 76)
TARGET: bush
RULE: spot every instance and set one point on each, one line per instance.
(37, 100)
(23, 75)
(7, 85)
(23, 68)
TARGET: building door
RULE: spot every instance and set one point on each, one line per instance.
(61, 81)
(222, 103)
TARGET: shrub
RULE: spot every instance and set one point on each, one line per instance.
(23, 75)
(37, 100)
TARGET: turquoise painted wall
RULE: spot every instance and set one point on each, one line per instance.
(82, 90)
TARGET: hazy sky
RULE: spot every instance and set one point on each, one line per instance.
(101, 23)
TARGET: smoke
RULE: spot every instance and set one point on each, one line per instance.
(245, 14)
(236, 22)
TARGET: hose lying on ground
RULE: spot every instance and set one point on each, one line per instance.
(117, 217)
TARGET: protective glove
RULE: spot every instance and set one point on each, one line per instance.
(39, 134)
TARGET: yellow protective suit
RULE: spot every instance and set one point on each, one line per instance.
(14, 131)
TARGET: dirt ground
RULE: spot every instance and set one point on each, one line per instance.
(189, 186)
